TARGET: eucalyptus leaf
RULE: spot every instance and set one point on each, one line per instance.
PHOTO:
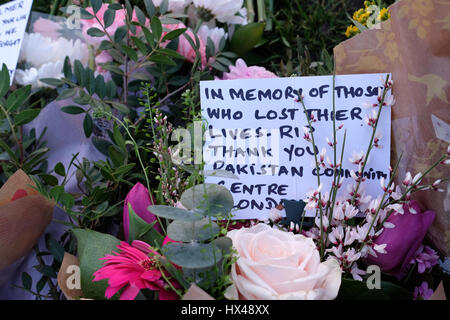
(174, 213)
(192, 255)
(208, 199)
(187, 231)
(220, 173)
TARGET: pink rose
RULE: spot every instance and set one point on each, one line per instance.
(278, 265)
(241, 71)
(403, 240)
(140, 200)
(47, 28)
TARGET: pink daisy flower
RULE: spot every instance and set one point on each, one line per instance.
(133, 268)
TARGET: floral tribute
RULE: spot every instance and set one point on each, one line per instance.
(143, 225)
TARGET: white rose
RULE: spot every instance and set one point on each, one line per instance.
(278, 265)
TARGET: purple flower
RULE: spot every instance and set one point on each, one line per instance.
(403, 240)
(139, 199)
(423, 292)
(425, 257)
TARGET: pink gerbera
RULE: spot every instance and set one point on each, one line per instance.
(133, 268)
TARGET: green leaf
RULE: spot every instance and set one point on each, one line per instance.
(26, 116)
(229, 54)
(111, 89)
(156, 27)
(115, 6)
(27, 281)
(56, 249)
(164, 6)
(9, 151)
(52, 82)
(208, 199)
(187, 231)
(116, 156)
(141, 230)
(245, 38)
(113, 68)
(140, 15)
(140, 45)
(120, 106)
(120, 33)
(18, 98)
(192, 255)
(46, 270)
(224, 243)
(174, 213)
(86, 15)
(100, 87)
(173, 34)
(49, 179)
(95, 32)
(67, 93)
(79, 71)
(105, 45)
(41, 284)
(96, 5)
(4, 81)
(60, 170)
(92, 246)
(108, 17)
(216, 65)
(118, 138)
(67, 69)
(358, 290)
(129, 52)
(220, 173)
(150, 8)
(149, 37)
(72, 110)
(88, 125)
(162, 59)
(210, 48)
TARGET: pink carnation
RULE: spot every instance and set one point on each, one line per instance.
(241, 71)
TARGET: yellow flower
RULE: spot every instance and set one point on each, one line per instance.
(384, 15)
(351, 31)
(368, 3)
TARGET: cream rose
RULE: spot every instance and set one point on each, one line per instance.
(278, 265)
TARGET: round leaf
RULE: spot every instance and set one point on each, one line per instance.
(174, 213)
(208, 199)
(187, 231)
(192, 255)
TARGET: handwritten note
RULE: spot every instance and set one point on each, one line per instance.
(255, 130)
(13, 22)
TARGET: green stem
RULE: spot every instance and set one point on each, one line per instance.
(369, 148)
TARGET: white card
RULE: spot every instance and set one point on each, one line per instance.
(261, 120)
(13, 22)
